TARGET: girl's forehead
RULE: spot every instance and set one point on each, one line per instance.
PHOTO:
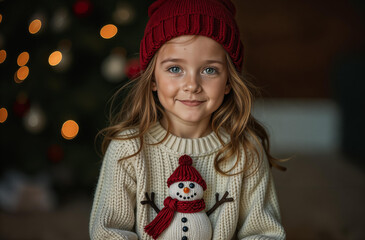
(192, 46)
(183, 39)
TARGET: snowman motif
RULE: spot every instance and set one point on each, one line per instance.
(183, 216)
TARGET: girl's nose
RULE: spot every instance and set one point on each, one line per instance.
(186, 190)
(192, 84)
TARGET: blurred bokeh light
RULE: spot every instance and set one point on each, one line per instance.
(35, 26)
(55, 58)
(3, 115)
(2, 56)
(23, 59)
(22, 73)
(69, 129)
(108, 31)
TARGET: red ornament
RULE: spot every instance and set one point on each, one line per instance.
(82, 8)
(55, 153)
(133, 68)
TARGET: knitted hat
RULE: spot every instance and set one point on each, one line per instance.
(186, 172)
(173, 18)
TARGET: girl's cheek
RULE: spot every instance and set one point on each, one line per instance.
(216, 91)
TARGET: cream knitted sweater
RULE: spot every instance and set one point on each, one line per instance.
(118, 214)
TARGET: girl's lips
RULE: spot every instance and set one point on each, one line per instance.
(191, 103)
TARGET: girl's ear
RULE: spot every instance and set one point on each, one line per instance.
(227, 88)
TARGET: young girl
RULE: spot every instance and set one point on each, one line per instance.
(186, 125)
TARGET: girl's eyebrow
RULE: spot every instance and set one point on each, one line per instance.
(183, 60)
(172, 60)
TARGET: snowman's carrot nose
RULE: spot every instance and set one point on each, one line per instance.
(186, 190)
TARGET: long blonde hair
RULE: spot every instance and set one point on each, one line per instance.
(234, 116)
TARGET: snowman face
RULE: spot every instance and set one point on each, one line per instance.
(186, 191)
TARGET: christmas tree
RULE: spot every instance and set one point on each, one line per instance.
(60, 62)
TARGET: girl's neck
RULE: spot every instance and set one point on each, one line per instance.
(187, 130)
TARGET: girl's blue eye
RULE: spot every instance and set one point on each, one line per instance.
(210, 70)
(181, 185)
(174, 69)
(191, 185)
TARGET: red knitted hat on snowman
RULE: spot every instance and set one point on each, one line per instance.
(173, 18)
(186, 172)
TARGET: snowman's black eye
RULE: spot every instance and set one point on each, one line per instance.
(181, 185)
(192, 185)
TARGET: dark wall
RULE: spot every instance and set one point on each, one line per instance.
(290, 46)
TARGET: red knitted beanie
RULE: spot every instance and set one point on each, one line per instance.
(186, 172)
(173, 18)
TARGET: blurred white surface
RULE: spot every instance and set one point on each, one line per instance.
(300, 125)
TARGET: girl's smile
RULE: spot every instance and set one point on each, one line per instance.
(191, 103)
(191, 81)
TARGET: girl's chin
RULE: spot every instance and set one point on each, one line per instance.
(194, 121)
(190, 119)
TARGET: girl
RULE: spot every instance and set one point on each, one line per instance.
(192, 99)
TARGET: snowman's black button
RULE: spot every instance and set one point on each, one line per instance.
(184, 238)
(184, 219)
(185, 228)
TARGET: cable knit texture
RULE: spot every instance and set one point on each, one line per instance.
(118, 214)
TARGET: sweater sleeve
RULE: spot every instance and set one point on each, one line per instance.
(259, 217)
(112, 214)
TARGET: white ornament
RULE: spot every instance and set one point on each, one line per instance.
(123, 14)
(35, 119)
(113, 67)
(61, 20)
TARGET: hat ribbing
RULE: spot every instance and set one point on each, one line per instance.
(173, 18)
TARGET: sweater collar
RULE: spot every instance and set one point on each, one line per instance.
(193, 147)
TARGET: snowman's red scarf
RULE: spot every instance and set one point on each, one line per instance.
(164, 217)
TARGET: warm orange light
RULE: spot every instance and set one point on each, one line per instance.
(22, 73)
(55, 58)
(35, 26)
(3, 115)
(23, 58)
(2, 56)
(1, 18)
(69, 129)
(108, 31)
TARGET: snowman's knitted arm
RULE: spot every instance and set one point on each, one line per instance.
(112, 215)
(259, 216)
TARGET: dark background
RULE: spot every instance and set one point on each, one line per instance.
(307, 51)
